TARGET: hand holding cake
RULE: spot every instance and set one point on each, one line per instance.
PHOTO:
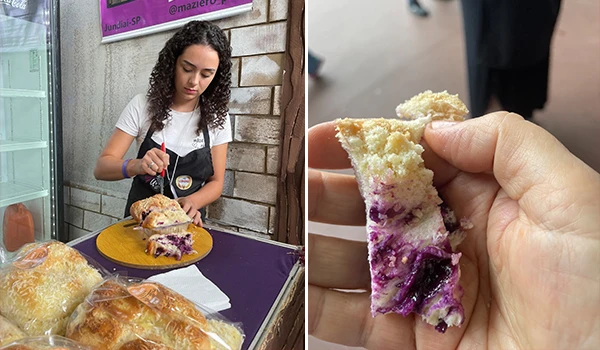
(533, 242)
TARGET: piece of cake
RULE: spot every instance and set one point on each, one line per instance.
(159, 211)
(170, 244)
(412, 236)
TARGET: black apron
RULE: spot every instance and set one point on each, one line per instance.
(192, 171)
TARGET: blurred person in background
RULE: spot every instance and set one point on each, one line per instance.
(314, 65)
(508, 53)
(416, 8)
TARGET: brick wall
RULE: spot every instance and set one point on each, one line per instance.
(258, 40)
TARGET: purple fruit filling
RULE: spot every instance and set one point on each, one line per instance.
(419, 276)
(378, 213)
(425, 279)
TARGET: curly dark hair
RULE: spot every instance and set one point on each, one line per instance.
(213, 101)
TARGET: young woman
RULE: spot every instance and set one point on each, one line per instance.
(186, 109)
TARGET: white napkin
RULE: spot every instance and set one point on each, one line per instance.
(192, 284)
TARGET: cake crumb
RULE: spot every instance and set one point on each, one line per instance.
(404, 260)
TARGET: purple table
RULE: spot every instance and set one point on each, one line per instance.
(252, 272)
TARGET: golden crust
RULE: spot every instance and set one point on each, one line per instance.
(157, 219)
(40, 289)
(122, 315)
(158, 201)
(437, 106)
(158, 211)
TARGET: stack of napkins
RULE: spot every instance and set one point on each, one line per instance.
(192, 284)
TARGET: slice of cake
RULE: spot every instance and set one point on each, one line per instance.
(170, 244)
(412, 236)
(159, 211)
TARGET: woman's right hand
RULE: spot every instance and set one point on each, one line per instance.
(153, 162)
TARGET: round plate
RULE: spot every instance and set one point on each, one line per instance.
(121, 244)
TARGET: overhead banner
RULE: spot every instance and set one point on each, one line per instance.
(125, 19)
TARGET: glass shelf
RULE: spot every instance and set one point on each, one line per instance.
(5, 92)
(11, 193)
(11, 146)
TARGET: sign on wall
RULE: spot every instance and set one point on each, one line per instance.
(125, 19)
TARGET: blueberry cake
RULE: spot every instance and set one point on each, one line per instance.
(165, 224)
(412, 234)
(158, 211)
(170, 245)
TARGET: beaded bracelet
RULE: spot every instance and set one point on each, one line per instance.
(124, 169)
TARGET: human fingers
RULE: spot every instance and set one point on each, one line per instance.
(188, 207)
(334, 199)
(530, 165)
(194, 214)
(519, 153)
(164, 157)
(197, 218)
(337, 263)
(147, 165)
(345, 318)
(157, 160)
(324, 149)
(443, 172)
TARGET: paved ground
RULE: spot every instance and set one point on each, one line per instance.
(379, 56)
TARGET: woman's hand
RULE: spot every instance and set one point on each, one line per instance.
(153, 162)
(189, 207)
(530, 265)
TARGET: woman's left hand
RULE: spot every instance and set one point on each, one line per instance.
(190, 208)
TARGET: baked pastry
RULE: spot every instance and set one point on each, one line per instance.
(47, 342)
(227, 336)
(170, 244)
(143, 207)
(411, 237)
(43, 285)
(9, 332)
(158, 211)
(123, 314)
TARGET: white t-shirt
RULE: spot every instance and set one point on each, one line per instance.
(179, 133)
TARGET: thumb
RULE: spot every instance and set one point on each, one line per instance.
(520, 154)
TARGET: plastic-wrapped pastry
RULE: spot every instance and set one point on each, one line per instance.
(134, 314)
(46, 342)
(43, 284)
(9, 332)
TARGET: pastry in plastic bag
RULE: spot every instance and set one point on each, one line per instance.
(42, 285)
(9, 332)
(126, 313)
(46, 342)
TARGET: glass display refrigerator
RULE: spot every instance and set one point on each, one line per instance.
(31, 184)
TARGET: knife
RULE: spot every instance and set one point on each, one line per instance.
(161, 179)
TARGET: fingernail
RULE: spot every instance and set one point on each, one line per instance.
(440, 124)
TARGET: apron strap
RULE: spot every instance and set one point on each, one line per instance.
(206, 137)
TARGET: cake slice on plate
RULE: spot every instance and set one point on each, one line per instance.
(412, 235)
(165, 223)
(170, 244)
